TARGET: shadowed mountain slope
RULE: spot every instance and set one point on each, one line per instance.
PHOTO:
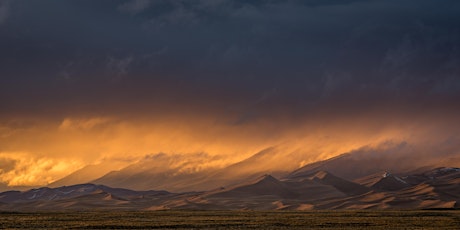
(301, 190)
(383, 181)
(156, 172)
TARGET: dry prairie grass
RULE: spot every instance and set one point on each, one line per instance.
(234, 220)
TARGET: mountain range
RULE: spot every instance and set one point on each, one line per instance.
(179, 173)
(336, 183)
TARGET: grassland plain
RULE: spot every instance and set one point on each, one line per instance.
(187, 219)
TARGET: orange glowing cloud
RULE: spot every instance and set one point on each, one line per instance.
(85, 124)
(25, 169)
(53, 148)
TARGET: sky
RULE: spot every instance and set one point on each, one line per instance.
(92, 82)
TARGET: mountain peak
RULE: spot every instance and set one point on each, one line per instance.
(390, 182)
(386, 174)
(321, 174)
(341, 184)
(267, 177)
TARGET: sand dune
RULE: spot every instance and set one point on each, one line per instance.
(384, 181)
(300, 190)
(340, 184)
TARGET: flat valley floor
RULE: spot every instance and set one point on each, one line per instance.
(234, 220)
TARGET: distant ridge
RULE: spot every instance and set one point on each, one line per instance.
(307, 188)
(264, 185)
(159, 172)
(342, 185)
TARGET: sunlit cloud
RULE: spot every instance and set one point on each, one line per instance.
(24, 169)
(83, 124)
(52, 149)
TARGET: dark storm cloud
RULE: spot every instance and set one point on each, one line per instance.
(4, 10)
(135, 6)
(244, 56)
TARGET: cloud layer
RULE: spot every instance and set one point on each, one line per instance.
(109, 79)
(119, 53)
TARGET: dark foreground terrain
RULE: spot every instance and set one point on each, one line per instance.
(235, 220)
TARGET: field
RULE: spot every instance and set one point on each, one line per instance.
(235, 220)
